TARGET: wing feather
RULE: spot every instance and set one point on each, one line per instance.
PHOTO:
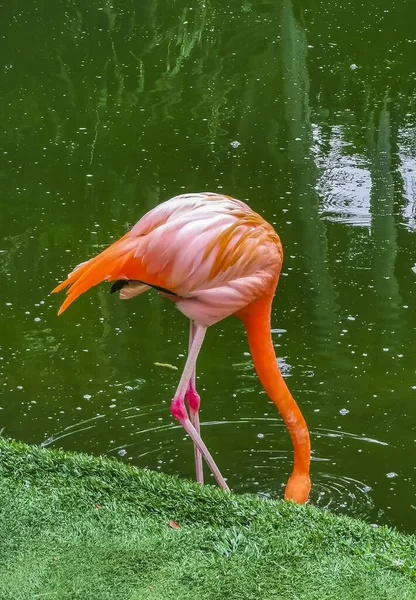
(189, 244)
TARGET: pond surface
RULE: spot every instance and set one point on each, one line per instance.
(306, 111)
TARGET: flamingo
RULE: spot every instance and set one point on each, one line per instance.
(214, 257)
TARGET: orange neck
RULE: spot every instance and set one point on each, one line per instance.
(256, 319)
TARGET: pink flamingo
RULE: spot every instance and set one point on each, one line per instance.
(214, 257)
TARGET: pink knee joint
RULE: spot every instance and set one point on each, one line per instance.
(178, 410)
(193, 399)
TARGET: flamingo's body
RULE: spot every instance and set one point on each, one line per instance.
(214, 257)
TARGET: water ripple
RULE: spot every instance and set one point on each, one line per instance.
(70, 430)
(259, 450)
(342, 494)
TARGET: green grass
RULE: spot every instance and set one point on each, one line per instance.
(73, 526)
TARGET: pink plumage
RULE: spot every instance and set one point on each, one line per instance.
(212, 251)
(214, 257)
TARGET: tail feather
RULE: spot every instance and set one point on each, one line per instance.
(115, 262)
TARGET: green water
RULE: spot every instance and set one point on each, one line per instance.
(304, 109)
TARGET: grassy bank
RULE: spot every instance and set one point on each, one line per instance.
(73, 526)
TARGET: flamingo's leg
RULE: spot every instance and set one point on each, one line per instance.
(193, 400)
(178, 409)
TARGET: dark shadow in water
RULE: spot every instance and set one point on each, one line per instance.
(314, 247)
(383, 221)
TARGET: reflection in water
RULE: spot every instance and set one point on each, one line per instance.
(407, 168)
(383, 223)
(305, 199)
(345, 183)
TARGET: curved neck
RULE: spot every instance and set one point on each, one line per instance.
(256, 319)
